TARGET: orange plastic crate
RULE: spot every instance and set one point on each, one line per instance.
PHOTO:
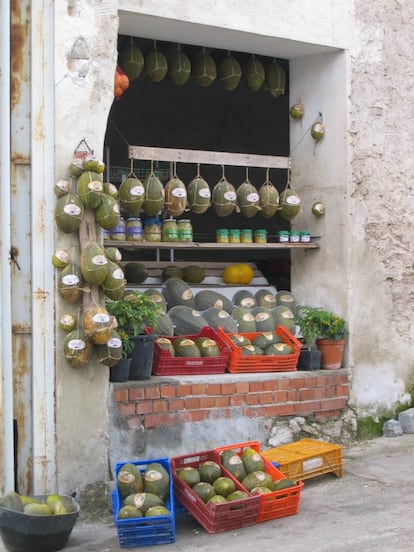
(278, 503)
(163, 364)
(307, 458)
(215, 518)
(263, 363)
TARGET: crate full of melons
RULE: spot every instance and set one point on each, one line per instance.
(279, 496)
(212, 495)
(276, 351)
(204, 353)
(143, 503)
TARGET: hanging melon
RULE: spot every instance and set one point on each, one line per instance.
(90, 189)
(179, 67)
(67, 322)
(248, 199)
(110, 352)
(131, 60)
(155, 65)
(77, 349)
(97, 324)
(224, 197)
(268, 198)
(198, 194)
(290, 203)
(110, 189)
(153, 196)
(60, 258)
(69, 212)
(254, 74)
(175, 200)
(114, 284)
(204, 69)
(62, 187)
(275, 79)
(229, 73)
(93, 264)
(70, 283)
(107, 213)
(113, 254)
(131, 195)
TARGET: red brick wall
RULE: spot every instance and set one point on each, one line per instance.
(323, 394)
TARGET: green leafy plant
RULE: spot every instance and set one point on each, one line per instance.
(318, 323)
(135, 312)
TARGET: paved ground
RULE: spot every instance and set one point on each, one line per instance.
(370, 508)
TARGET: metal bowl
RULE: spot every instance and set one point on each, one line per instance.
(35, 533)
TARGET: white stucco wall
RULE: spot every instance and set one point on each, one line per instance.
(357, 72)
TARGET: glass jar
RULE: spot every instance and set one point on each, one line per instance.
(152, 230)
(169, 230)
(222, 235)
(234, 236)
(119, 232)
(260, 236)
(134, 230)
(294, 236)
(305, 236)
(185, 230)
(283, 236)
(246, 236)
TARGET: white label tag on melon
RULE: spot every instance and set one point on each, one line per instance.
(230, 196)
(153, 475)
(70, 280)
(76, 344)
(101, 318)
(187, 294)
(139, 500)
(248, 302)
(218, 304)
(262, 316)
(63, 185)
(99, 260)
(179, 192)
(95, 186)
(62, 255)
(223, 314)
(248, 317)
(114, 343)
(270, 298)
(118, 274)
(288, 314)
(204, 193)
(137, 191)
(253, 197)
(293, 200)
(72, 209)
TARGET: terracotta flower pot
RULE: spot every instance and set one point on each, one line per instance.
(332, 353)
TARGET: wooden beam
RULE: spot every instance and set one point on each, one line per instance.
(208, 157)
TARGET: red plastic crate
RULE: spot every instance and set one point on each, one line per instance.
(214, 518)
(263, 363)
(164, 364)
(277, 503)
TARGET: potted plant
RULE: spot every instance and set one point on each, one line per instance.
(135, 313)
(324, 329)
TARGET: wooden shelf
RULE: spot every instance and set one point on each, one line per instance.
(132, 245)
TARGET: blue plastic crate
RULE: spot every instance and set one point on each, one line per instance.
(145, 531)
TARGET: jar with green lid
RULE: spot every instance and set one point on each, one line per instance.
(222, 235)
(246, 236)
(260, 236)
(305, 236)
(294, 236)
(234, 236)
(152, 230)
(185, 230)
(170, 230)
(283, 236)
(134, 231)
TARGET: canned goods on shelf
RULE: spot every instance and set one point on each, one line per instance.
(185, 230)
(152, 230)
(294, 236)
(246, 236)
(234, 236)
(283, 236)
(222, 235)
(260, 236)
(170, 230)
(119, 232)
(134, 231)
(305, 236)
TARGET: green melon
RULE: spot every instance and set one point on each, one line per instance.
(185, 347)
(177, 292)
(204, 69)
(219, 318)
(93, 264)
(254, 74)
(194, 274)
(34, 509)
(265, 321)
(244, 298)
(189, 475)
(240, 340)
(60, 258)
(114, 284)
(252, 460)
(69, 212)
(129, 480)
(154, 195)
(248, 199)
(265, 339)
(135, 273)
(224, 198)
(155, 65)
(285, 298)
(107, 213)
(251, 350)
(70, 283)
(165, 344)
(216, 499)
(265, 298)
(110, 353)
(290, 204)
(156, 511)
(268, 200)
(275, 79)
(113, 254)
(206, 298)
(175, 200)
(143, 501)
(283, 483)
(11, 501)
(198, 195)
(224, 486)
(234, 464)
(285, 317)
(279, 349)
(204, 490)
(209, 471)
(157, 480)
(131, 195)
(257, 478)
(237, 495)
(164, 324)
(129, 512)
(131, 60)
(97, 324)
(90, 189)
(186, 320)
(62, 187)
(77, 349)
(172, 271)
(229, 72)
(158, 298)
(110, 189)
(208, 347)
(245, 319)
(179, 67)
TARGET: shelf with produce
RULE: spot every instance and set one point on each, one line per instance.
(125, 244)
